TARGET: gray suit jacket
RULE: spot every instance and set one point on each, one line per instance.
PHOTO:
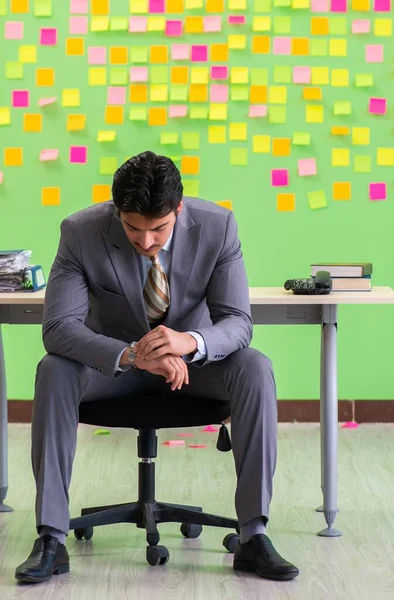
(94, 303)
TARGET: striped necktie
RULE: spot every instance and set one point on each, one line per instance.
(156, 292)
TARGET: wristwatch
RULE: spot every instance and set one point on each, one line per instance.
(132, 355)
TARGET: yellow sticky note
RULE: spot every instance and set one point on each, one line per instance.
(156, 24)
(383, 27)
(285, 202)
(341, 190)
(193, 4)
(337, 47)
(361, 5)
(75, 46)
(320, 75)
(360, 136)
(27, 54)
(138, 7)
(50, 196)
(32, 123)
(226, 203)
(340, 157)
(97, 76)
(71, 97)
(76, 122)
(99, 24)
(217, 134)
(239, 156)
(106, 136)
(13, 157)
(101, 192)
(5, 115)
(199, 75)
(239, 75)
(237, 4)
(277, 94)
(309, 93)
(261, 144)
(238, 131)
(236, 42)
(340, 77)
(159, 92)
(314, 114)
(261, 24)
(218, 112)
(385, 157)
(45, 77)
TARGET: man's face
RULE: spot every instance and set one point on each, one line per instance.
(148, 235)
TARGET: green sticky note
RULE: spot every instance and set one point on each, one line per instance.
(138, 114)
(158, 74)
(101, 432)
(239, 156)
(301, 138)
(282, 3)
(198, 112)
(190, 141)
(108, 165)
(317, 200)
(139, 54)
(318, 47)
(175, 159)
(362, 163)
(118, 76)
(282, 25)
(364, 80)
(239, 92)
(169, 138)
(3, 8)
(282, 74)
(277, 114)
(42, 8)
(342, 108)
(14, 70)
(179, 93)
(118, 24)
(337, 25)
(259, 76)
(191, 187)
(262, 6)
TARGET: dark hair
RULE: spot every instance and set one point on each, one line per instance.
(148, 184)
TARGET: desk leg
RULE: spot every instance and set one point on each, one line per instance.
(321, 404)
(329, 426)
(3, 432)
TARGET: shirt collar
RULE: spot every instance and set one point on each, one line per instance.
(168, 244)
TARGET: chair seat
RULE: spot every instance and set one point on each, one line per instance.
(151, 411)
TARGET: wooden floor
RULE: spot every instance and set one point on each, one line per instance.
(112, 566)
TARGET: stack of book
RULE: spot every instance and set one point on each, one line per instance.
(347, 277)
(13, 264)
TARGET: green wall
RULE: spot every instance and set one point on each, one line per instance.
(277, 245)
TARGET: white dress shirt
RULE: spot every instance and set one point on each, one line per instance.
(144, 264)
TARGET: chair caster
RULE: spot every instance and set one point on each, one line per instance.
(157, 555)
(86, 533)
(153, 538)
(189, 530)
(230, 542)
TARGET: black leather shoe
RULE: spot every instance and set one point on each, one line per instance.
(48, 557)
(259, 555)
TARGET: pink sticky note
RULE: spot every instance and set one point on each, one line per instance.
(279, 177)
(237, 20)
(218, 92)
(50, 154)
(197, 446)
(13, 30)
(374, 53)
(377, 106)
(78, 154)
(321, 6)
(306, 167)
(180, 51)
(1, 176)
(139, 74)
(174, 443)
(301, 74)
(258, 110)
(339, 6)
(78, 25)
(185, 434)
(48, 36)
(382, 5)
(210, 429)
(377, 191)
(46, 101)
(282, 45)
(79, 7)
(350, 425)
(361, 26)
(138, 24)
(199, 53)
(20, 98)
(219, 72)
(97, 55)
(174, 28)
(116, 95)
(177, 110)
(156, 6)
(212, 24)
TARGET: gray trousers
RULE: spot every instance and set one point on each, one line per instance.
(245, 378)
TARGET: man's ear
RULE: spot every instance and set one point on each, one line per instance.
(180, 207)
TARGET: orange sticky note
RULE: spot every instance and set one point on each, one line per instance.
(101, 192)
(258, 94)
(310, 93)
(32, 123)
(261, 44)
(76, 122)
(50, 196)
(45, 77)
(215, 6)
(19, 6)
(13, 157)
(226, 203)
(320, 26)
(281, 146)
(198, 92)
(285, 202)
(100, 7)
(138, 93)
(159, 54)
(190, 165)
(300, 46)
(119, 55)
(219, 52)
(194, 25)
(114, 115)
(179, 74)
(157, 116)
(340, 130)
(75, 46)
(174, 6)
(342, 190)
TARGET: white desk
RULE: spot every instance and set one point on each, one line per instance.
(270, 306)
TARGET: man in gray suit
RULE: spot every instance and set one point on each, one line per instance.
(150, 290)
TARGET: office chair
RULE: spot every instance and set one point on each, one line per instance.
(147, 413)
